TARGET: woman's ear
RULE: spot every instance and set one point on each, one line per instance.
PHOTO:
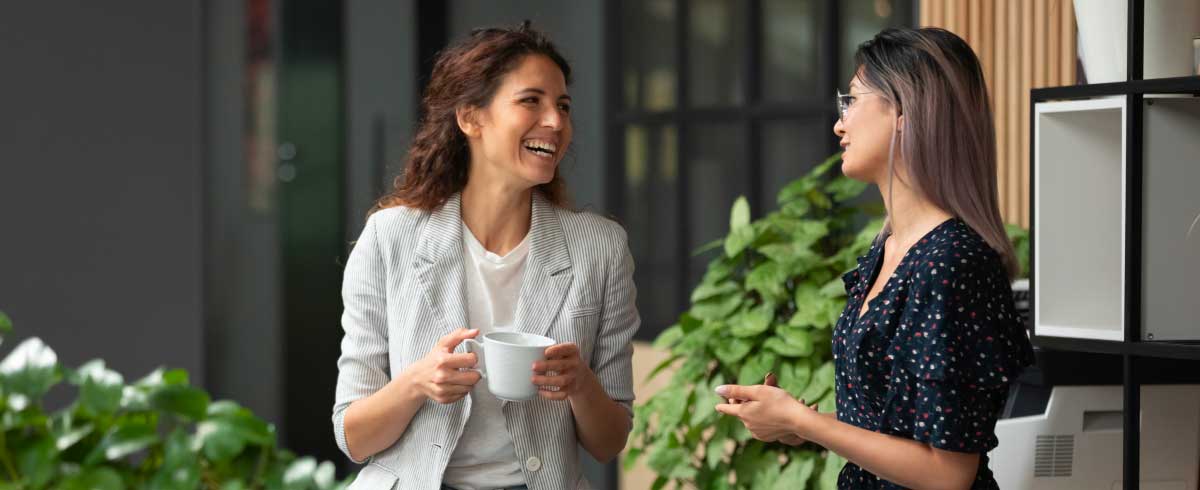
(900, 123)
(467, 121)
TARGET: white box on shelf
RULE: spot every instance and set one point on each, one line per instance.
(1171, 219)
(1079, 219)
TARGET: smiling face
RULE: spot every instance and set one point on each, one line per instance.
(523, 133)
(866, 134)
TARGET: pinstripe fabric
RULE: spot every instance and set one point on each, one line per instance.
(404, 289)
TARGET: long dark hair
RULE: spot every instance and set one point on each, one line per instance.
(948, 140)
(466, 74)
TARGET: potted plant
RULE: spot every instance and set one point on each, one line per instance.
(767, 303)
(155, 433)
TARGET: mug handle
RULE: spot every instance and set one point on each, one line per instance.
(476, 347)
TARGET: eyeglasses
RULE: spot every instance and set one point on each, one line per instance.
(844, 101)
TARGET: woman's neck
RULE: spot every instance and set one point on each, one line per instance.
(910, 215)
(497, 213)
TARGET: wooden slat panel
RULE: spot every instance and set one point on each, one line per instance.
(975, 30)
(1014, 109)
(1067, 55)
(1022, 44)
(1037, 21)
(1027, 57)
(1000, 97)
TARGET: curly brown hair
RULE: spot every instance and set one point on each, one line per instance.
(466, 74)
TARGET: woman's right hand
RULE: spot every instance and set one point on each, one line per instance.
(440, 375)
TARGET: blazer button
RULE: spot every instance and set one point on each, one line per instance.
(533, 464)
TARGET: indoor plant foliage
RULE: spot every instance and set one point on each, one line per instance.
(766, 304)
(155, 433)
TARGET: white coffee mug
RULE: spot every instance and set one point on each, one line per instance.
(506, 362)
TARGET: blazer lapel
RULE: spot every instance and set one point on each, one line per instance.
(547, 273)
(439, 264)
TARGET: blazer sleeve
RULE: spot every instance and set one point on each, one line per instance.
(612, 359)
(363, 366)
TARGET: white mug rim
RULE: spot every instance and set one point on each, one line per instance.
(540, 338)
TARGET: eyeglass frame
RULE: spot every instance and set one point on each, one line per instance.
(843, 105)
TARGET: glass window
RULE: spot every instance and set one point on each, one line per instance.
(648, 54)
(716, 52)
(651, 193)
(736, 139)
(790, 61)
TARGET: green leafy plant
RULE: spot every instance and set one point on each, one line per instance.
(766, 304)
(155, 433)
(1020, 241)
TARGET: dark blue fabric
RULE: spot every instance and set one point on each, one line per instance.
(933, 356)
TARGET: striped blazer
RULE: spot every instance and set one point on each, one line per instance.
(404, 289)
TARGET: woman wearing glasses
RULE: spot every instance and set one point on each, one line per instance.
(929, 339)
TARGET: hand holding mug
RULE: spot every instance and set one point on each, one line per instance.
(559, 375)
(440, 375)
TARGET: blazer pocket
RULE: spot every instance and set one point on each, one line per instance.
(583, 311)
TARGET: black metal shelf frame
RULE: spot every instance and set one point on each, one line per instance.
(1142, 361)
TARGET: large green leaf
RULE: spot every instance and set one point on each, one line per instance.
(814, 308)
(180, 469)
(845, 188)
(707, 291)
(739, 239)
(797, 189)
(299, 475)
(672, 405)
(740, 215)
(94, 478)
(798, 471)
(163, 377)
(37, 461)
(753, 372)
(795, 376)
(668, 338)
(753, 321)
(100, 388)
(786, 349)
(828, 479)
(181, 400)
(28, 372)
(716, 308)
(668, 458)
(752, 460)
(769, 279)
(822, 382)
(66, 437)
(123, 440)
(6, 326)
(733, 350)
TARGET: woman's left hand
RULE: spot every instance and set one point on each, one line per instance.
(562, 373)
(769, 413)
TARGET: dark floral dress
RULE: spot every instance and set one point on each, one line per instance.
(932, 358)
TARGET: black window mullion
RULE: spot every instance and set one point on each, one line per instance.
(753, 77)
(832, 48)
(682, 101)
(614, 130)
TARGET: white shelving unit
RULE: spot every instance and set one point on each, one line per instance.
(1171, 219)
(1079, 184)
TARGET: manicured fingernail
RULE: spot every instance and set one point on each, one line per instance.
(723, 390)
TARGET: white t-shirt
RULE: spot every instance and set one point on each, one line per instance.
(484, 457)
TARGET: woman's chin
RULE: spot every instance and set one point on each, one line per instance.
(855, 171)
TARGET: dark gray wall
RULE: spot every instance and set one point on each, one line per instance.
(242, 246)
(381, 109)
(100, 184)
(577, 28)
